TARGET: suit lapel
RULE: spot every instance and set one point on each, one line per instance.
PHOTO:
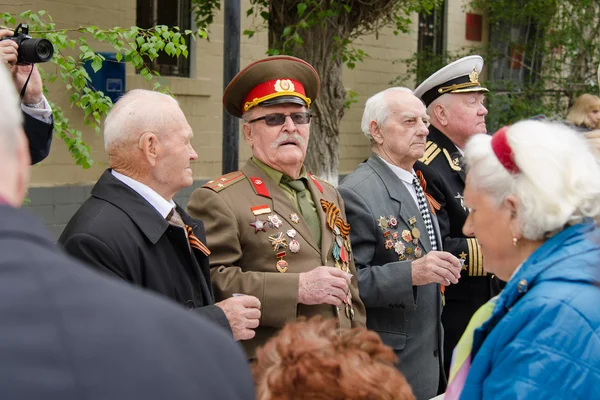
(281, 204)
(398, 192)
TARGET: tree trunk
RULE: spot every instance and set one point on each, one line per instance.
(318, 49)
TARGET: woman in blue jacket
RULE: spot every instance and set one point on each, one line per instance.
(533, 192)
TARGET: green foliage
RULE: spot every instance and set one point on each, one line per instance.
(73, 48)
(560, 45)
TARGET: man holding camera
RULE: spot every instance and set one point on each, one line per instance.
(37, 114)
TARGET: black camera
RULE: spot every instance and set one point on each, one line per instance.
(30, 50)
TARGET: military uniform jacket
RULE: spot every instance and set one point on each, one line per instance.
(243, 259)
(383, 216)
(445, 177)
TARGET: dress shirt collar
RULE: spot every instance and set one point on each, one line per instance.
(274, 174)
(403, 174)
(159, 203)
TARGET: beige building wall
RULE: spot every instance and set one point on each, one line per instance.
(200, 95)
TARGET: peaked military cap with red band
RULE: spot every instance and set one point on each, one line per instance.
(460, 76)
(269, 81)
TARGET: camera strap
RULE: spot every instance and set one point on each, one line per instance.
(26, 82)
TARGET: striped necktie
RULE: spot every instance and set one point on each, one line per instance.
(422, 203)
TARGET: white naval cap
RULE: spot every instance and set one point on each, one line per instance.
(460, 76)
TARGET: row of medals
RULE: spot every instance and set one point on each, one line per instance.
(279, 243)
(392, 239)
(279, 240)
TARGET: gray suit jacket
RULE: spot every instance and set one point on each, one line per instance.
(406, 317)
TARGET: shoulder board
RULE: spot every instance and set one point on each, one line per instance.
(454, 164)
(431, 151)
(224, 181)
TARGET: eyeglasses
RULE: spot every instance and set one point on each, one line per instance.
(276, 119)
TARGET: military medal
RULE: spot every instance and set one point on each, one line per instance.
(389, 244)
(294, 246)
(412, 221)
(341, 244)
(258, 225)
(294, 218)
(406, 236)
(418, 252)
(274, 221)
(383, 223)
(278, 241)
(281, 265)
(416, 233)
(399, 248)
(291, 233)
(393, 222)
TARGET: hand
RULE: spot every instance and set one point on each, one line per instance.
(436, 267)
(8, 48)
(20, 73)
(324, 285)
(243, 314)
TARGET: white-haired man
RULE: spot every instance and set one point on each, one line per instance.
(396, 241)
(131, 228)
(71, 333)
(454, 99)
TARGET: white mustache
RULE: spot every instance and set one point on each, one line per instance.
(292, 137)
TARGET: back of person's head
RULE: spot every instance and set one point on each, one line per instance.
(135, 113)
(557, 177)
(315, 360)
(578, 114)
(14, 152)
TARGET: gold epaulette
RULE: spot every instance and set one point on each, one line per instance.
(224, 181)
(431, 152)
(453, 163)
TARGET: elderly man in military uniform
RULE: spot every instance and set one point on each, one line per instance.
(276, 231)
(454, 99)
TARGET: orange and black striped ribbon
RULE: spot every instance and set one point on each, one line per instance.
(433, 204)
(195, 242)
(333, 217)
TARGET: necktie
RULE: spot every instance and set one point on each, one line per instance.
(175, 219)
(308, 212)
(422, 203)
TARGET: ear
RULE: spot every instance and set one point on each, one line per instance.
(247, 134)
(150, 146)
(441, 114)
(511, 204)
(376, 132)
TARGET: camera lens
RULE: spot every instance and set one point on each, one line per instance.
(35, 51)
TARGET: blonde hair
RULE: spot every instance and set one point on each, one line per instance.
(578, 113)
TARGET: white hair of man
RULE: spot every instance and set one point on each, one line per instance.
(133, 114)
(377, 109)
(558, 183)
(12, 118)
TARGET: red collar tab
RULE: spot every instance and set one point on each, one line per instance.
(259, 187)
(316, 182)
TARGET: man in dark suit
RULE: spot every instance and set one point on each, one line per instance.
(454, 100)
(130, 227)
(37, 114)
(71, 333)
(395, 239)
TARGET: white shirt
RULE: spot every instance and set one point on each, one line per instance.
(44, 113)
(159, 203)
(406, 178)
